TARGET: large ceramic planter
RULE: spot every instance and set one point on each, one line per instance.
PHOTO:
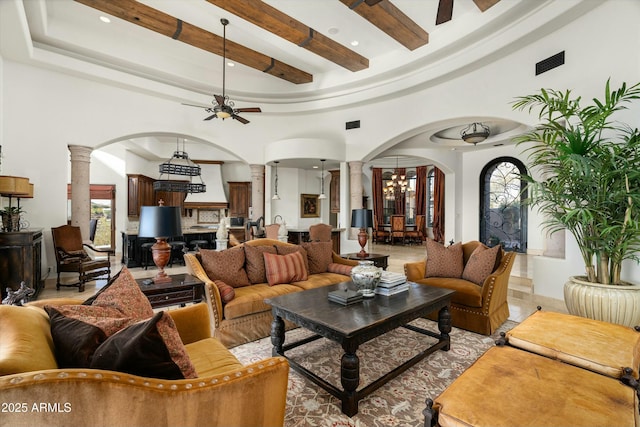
(612, 303)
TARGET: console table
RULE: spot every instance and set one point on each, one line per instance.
(21, 259)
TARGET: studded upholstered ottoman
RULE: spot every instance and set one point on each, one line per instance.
(557, 369)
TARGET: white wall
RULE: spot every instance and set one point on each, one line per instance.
(43, 111)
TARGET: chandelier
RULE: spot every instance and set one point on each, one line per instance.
(179, 164)
(397, 184)
(474, 133)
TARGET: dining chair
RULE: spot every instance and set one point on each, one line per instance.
(397, 228)
(417, 234)
(380, 234)
(320, 232)
(271, 231)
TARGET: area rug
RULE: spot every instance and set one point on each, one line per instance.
(399, 402)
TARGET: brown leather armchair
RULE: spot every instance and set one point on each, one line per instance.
(71, 257)
(480, 309)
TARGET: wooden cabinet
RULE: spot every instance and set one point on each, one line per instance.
(140, 193)
(334, 192)
(239, 198)
(21, 259)
(171, 198)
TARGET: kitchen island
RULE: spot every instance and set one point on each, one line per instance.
(131, 242)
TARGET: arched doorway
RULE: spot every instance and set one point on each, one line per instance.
(503, 215)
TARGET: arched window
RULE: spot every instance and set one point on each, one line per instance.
(503, 216)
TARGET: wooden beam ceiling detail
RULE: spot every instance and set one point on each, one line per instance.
(387, 17)
(162, 23)
(485, 4)
(267, 17)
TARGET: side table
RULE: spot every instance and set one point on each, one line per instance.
(184, 288)
(379, 260)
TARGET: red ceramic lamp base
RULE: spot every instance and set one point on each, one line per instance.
(161, 251)
(362, 240)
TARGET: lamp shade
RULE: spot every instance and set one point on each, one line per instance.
(160, 221)
(361, 218)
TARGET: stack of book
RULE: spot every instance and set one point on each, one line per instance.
(392, 283)
(345, 297)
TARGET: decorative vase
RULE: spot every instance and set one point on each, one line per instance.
(10, 222)
(611, 303)
(366, 276)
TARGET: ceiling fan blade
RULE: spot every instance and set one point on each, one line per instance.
(240, 119)
(211, 117)
(372, 2)
(194, 105)
(445, 11)
(249, 110)
(219, 99)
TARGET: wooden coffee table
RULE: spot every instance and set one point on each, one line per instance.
(356, 324)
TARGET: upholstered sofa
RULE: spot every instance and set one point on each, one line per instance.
(246, 317)
(35, 392)
(553, 369)
(479, 306)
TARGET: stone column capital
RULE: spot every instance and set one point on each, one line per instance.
(80, 153)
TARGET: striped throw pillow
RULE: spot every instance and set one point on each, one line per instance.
(284, 268)
(334, 267)
(227, 293)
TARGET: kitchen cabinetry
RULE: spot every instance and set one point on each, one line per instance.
(239, 198)
(140, 193)
(334, 192)
(20, 260)
(171, 198)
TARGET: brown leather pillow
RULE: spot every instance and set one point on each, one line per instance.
(226, 265)
(319, 255)
(255, 262)
(444, 261)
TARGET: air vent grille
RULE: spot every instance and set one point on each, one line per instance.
(353, 125)
(550, 63)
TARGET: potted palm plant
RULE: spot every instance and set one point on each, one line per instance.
(589, 168)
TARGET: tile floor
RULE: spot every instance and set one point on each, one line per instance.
(521, 301)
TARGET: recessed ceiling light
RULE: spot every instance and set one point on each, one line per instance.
(355, 43)
(105, 19)
(231, 64)
(315, 167)
(333, 30)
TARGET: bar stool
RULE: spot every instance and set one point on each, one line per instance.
(199, 244)
(177, 250)
(146, 253)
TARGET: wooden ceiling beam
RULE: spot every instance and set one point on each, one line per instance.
(271, 19)
(387, 17)
(485, 4)
(162, 23)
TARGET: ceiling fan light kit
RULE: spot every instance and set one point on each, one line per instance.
(474, 133)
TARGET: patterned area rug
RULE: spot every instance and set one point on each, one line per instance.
(399, 402)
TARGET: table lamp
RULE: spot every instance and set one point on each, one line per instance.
(363, 219)
(160, 222)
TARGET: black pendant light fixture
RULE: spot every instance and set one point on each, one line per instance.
(275, 194)
(322, 195)
(179, 164)
(474, 133)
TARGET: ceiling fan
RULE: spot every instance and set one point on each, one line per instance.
(223, 107)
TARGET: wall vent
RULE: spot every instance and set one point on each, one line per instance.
(353, 125)
(550, 63)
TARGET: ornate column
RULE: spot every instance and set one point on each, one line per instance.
(355, 192)
(80, 190)
(257, 191)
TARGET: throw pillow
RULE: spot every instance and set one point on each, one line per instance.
(122, 294)
(289, 249)
(444, 262)
(255, 262)
(227, 293)
(319, 255)
(285, 268)
(150, 348)
(226, 265)
(481, 263)
(75, 341)
(334, 267)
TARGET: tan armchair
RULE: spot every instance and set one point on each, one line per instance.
(226, 393)
(480, 309)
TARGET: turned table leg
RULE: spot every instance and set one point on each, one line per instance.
(277, 336)
(350, 378)
(444, 325)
